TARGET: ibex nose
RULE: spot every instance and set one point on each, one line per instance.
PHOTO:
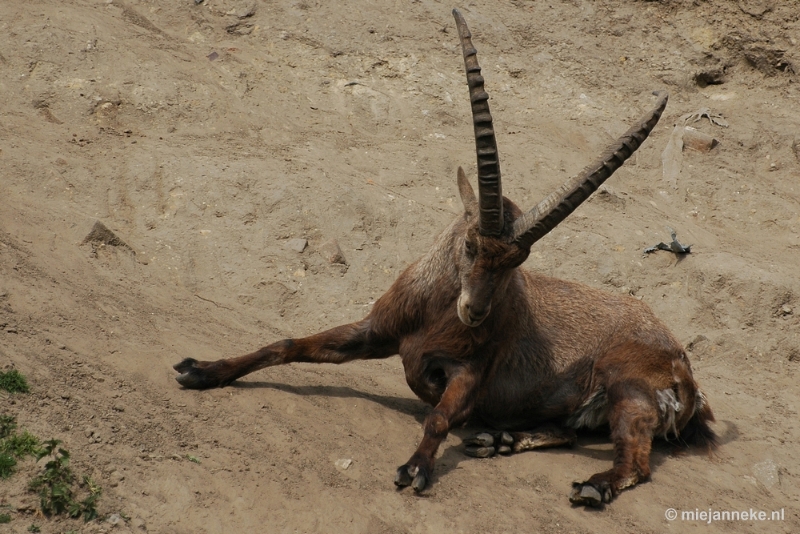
(477, 314)
(469, 313)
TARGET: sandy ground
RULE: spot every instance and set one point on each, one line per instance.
(209, 136)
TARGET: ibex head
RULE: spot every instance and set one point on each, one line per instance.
(499, 235)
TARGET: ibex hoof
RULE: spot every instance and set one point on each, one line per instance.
(194, 375)
(480, 452)
(413, 476)
(589, 494)
(485, 445)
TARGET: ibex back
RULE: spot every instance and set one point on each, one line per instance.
(532, 357)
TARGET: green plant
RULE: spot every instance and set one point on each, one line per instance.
(7, 464)
(14, 446)
(20, 445)
(54, 485)
(194, 459)
(8, 425)
(5, 518)
(88, 506)
(13, 382)
(34, 528)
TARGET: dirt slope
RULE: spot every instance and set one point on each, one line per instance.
(207, 136)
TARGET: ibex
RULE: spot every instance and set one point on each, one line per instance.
(532, 357)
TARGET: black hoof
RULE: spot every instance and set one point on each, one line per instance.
(194, 377)
(480, 452)
(485, 445)
(415, 477)
(589, 494)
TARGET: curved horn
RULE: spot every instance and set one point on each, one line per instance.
(490, 191)
(533, 225)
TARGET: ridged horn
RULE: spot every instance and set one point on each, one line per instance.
(490, 191)
(536, 223)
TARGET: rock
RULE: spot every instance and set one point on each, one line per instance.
(297, 244)
(114, 519)
(786, 309)
(101, 235)
(697, 140)
(343, 463)
(244, 10)
(331, 251)
(766, 472)
(756, 8)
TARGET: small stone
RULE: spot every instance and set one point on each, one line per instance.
(297, 244)
(697, 140)
(119, 408)
(766, 472)
(246, 11)
(101, 235)
(786, 309)
(114, 519)
(331, 251)
(343, 463)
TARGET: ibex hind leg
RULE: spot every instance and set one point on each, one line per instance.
(486, 444)
(633, 418)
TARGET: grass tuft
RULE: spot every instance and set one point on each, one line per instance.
(14, 382)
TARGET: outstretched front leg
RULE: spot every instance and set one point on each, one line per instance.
(356, 341)
(454, 408)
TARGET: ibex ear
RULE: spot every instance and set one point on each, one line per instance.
(467, 193)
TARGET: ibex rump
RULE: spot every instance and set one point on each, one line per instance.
(521, 351)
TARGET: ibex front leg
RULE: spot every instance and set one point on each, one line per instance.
(356, 341)
(454, 407)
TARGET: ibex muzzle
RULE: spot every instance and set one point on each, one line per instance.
(532, 357)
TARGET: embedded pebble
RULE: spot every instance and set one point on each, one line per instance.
(343, 463)
(297, 244)
(766, 472)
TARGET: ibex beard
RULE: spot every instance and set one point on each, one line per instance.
(532, 357)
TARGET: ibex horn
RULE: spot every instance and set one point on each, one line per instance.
(490, 190)
(533, 225)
